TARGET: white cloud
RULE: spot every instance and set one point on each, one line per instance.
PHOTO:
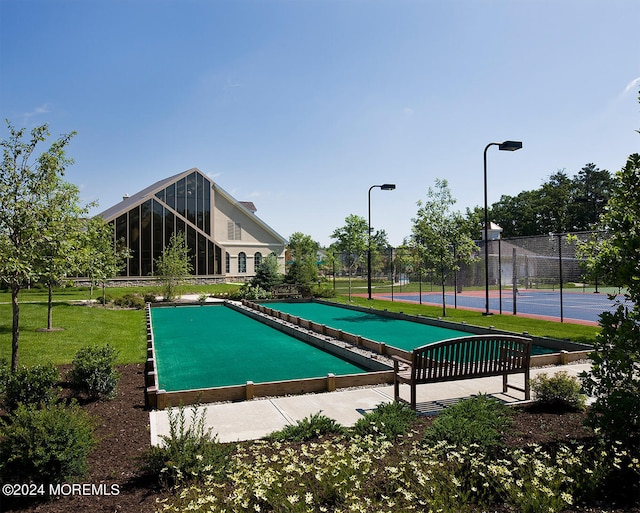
(213, 176)
(42, 109)
(632, 85)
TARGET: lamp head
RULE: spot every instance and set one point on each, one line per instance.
(510, 145)
(388, 186)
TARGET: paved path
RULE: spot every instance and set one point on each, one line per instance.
(250, 420)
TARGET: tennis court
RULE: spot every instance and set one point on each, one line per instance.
(199, 347)
(580, 307)
(399, 333)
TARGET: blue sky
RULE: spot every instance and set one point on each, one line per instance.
(301, 105)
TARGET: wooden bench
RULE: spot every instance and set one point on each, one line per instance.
(463, 358)
(286, 291)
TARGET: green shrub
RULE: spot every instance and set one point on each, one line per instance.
(4, 376)
(189, 453)
(313, 426)
(93, 371)
(324, 290)
(558, 391)
(104, 300)
(251, 292)
(613, 378)
(31, 386)
(49, 445)
(479, 420)
(387, 419)
(130, 301)
(150, 297)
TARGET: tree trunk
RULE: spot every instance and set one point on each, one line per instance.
(50, 308)
(15, 289)
(444, 301)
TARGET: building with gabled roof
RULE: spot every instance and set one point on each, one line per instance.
(225, 237)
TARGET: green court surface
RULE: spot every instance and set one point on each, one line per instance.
(213, 346)
(398, 333)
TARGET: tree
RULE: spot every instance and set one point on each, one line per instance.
(61, 233)
(303, 269)
(560, 205)
(100, 257)
(591, 190)
(554, 203)
(173, 265)
(352, 242)
(267, 274)
(24, 185)
(379, 250)
(441, 237)
(614, 379)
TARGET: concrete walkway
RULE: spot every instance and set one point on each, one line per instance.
(250, 420)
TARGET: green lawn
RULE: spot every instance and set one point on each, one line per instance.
(82, 325)
(574, 332)
(125, 329)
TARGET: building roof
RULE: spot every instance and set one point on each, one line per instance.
(146, 193)
(131, 201)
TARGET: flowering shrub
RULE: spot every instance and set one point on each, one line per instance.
(188, 454)
(372, 474)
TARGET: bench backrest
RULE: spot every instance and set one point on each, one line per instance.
(285, 290)
(473, 356)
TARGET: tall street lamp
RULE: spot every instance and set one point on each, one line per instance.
(504, 146)
(384, 187)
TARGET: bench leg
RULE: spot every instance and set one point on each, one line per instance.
(413, 396)
(396, 389)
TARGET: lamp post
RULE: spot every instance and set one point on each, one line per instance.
(504, 146)
(384, 187)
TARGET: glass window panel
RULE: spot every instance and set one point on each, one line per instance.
(242, 262)
(207, 206)
(202, 255)
(211, 258)
(169, 225)
(134, 241)
(181, 196)
(121, 239)
(121, 228)
(170, 195)
(158, 231)
(181, 226)
(191, 244)
(191, 198)
(200, 201)
(160, 195)
(218, 260)
(227, 263)
(257, 260)
(145, 241)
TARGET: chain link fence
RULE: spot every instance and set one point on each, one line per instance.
(541, 276)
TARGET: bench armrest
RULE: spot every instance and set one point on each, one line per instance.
(399, 359)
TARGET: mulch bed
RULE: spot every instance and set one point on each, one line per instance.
(123, 432)
(123, 435)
